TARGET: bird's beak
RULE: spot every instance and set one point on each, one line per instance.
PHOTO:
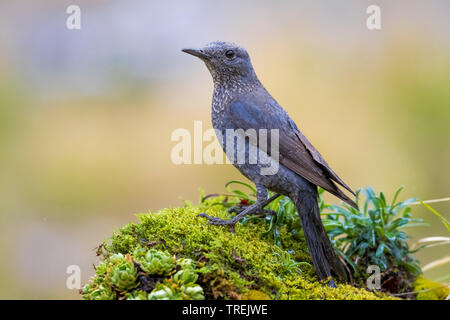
(197, 52)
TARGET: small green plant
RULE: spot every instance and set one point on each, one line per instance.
(147, 274)
(155, 262)
(122, 274)
(443, 220)
(288, 264)
(169, 290)
(373, 235)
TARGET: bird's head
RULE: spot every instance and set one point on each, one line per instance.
(226, 61)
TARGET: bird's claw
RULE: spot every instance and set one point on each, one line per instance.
(203, 215)
(256, 208)
(216, 221)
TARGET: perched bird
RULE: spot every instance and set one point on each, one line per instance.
(241, 102)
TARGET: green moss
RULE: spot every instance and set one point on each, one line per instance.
(430, 290)
(255, 295)
(243, 265)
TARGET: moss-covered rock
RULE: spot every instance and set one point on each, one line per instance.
(241, 265)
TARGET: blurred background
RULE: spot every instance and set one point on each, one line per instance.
(86, 115)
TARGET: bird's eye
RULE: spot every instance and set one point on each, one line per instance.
(229, 54)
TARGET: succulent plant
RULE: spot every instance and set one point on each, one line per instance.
(185, 263)
(94, 291)
(139, 253)
(137, 295)
(122, 274)
(87, 290)
(101, 269)
(103, 293)
(118, 276)
(185, 276)
(116, 258)
(170, 290)
(194, 292)
(156, 262)
(165, 291)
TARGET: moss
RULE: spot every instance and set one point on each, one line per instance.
(242, 265)
(255, 295)
(430, 290)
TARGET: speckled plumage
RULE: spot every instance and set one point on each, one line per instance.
(241, 102)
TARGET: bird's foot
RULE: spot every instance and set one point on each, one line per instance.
(261, 213)
(217, 221)
(237, 209)
(254, 208)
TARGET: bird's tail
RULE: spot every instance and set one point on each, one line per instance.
(324, 257)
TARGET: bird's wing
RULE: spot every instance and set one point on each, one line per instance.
(318, 157)
(295, 151)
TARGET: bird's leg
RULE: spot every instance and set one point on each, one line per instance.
(261, 196)
(256, 208)
(244, 205)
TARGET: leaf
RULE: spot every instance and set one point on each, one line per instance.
(444, 221)
(347, 259)
(406, 212)
(405, 203)
(432, 239)
(396, 196)
(240, 194)
(332, 214)
(409, 225)
(241, 183)
(380, 249)
(270, 226)
(436, 263)
(382, 199)
(433, 242)
(413, 267)
(398, 223)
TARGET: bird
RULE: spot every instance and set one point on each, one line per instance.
(240, 102)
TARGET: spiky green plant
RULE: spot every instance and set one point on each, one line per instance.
(372, 234)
